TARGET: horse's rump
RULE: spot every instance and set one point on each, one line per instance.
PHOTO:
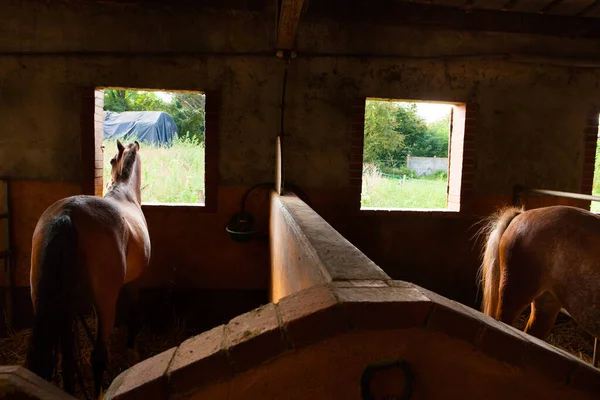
(548, 257)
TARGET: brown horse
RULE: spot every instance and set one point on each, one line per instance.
(548, 257)
(85, 249)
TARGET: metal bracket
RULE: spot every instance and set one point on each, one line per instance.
(370, 370)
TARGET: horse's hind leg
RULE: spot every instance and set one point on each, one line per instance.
(68, 363)
(514, 297)
(106, 320)
(134, 325)
(544, 311)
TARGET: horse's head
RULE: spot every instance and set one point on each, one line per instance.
(127, 166)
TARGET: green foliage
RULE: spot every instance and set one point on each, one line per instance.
(595, 207)
(187, 109)
(169, 175)
(431, 142)
(383, 141)
(394, 131)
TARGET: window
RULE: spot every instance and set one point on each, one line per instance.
(412, 155)
(173, 129)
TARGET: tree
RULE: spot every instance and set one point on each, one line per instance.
(382, 140)
(415, 131)
(394, 131)
(130, 100)
(116, 100)
(187, 109)
(440, 136)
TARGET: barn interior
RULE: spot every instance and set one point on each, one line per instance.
(286, 83)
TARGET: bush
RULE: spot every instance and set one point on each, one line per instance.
(437, 176)
(400, 172)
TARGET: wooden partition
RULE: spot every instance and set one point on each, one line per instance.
(306, 251)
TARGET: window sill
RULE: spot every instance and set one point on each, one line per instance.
(174, 204)
(410, 212)
(174, 207)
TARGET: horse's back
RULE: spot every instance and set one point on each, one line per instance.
(555, 222)
(101, 232)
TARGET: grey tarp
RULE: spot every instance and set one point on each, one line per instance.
(154, 127)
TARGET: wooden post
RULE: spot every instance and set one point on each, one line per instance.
(287, 24)
(594, 357)
(278, 167)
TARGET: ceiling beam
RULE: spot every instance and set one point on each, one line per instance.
(287, 23)
(589, 8)
(396, 13)
(550, 6)
(510, 5)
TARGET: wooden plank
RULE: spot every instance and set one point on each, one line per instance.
(556, 193)
(278, 167)
(287, 24)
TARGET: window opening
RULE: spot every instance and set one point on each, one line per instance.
(412, 155)
(170, 126)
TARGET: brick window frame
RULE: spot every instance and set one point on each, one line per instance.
(462, 147)
(93, 152)
(590, 141)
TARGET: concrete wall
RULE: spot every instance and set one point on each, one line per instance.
(426, 165)
(529, 125)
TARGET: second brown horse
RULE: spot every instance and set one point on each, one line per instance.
(548, 257)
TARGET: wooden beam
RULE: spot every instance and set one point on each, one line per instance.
(550, 6)
(589, 8)
(397, 13)
(557, 193)
(287, 24)
(510, 5)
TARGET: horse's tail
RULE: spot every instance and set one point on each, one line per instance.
(55, 308)
(489, 272)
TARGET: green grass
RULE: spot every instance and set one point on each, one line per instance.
(384, 192)
(169, 175)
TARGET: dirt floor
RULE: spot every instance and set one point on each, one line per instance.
(149, 343)
(566, 334)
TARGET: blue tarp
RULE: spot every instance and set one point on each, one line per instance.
(154, 127)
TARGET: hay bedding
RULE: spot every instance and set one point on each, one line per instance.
(13, 350)
(568, 336)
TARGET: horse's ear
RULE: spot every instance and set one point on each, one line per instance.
(120, 146)
(137, 145)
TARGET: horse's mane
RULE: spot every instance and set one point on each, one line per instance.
(128, 164)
